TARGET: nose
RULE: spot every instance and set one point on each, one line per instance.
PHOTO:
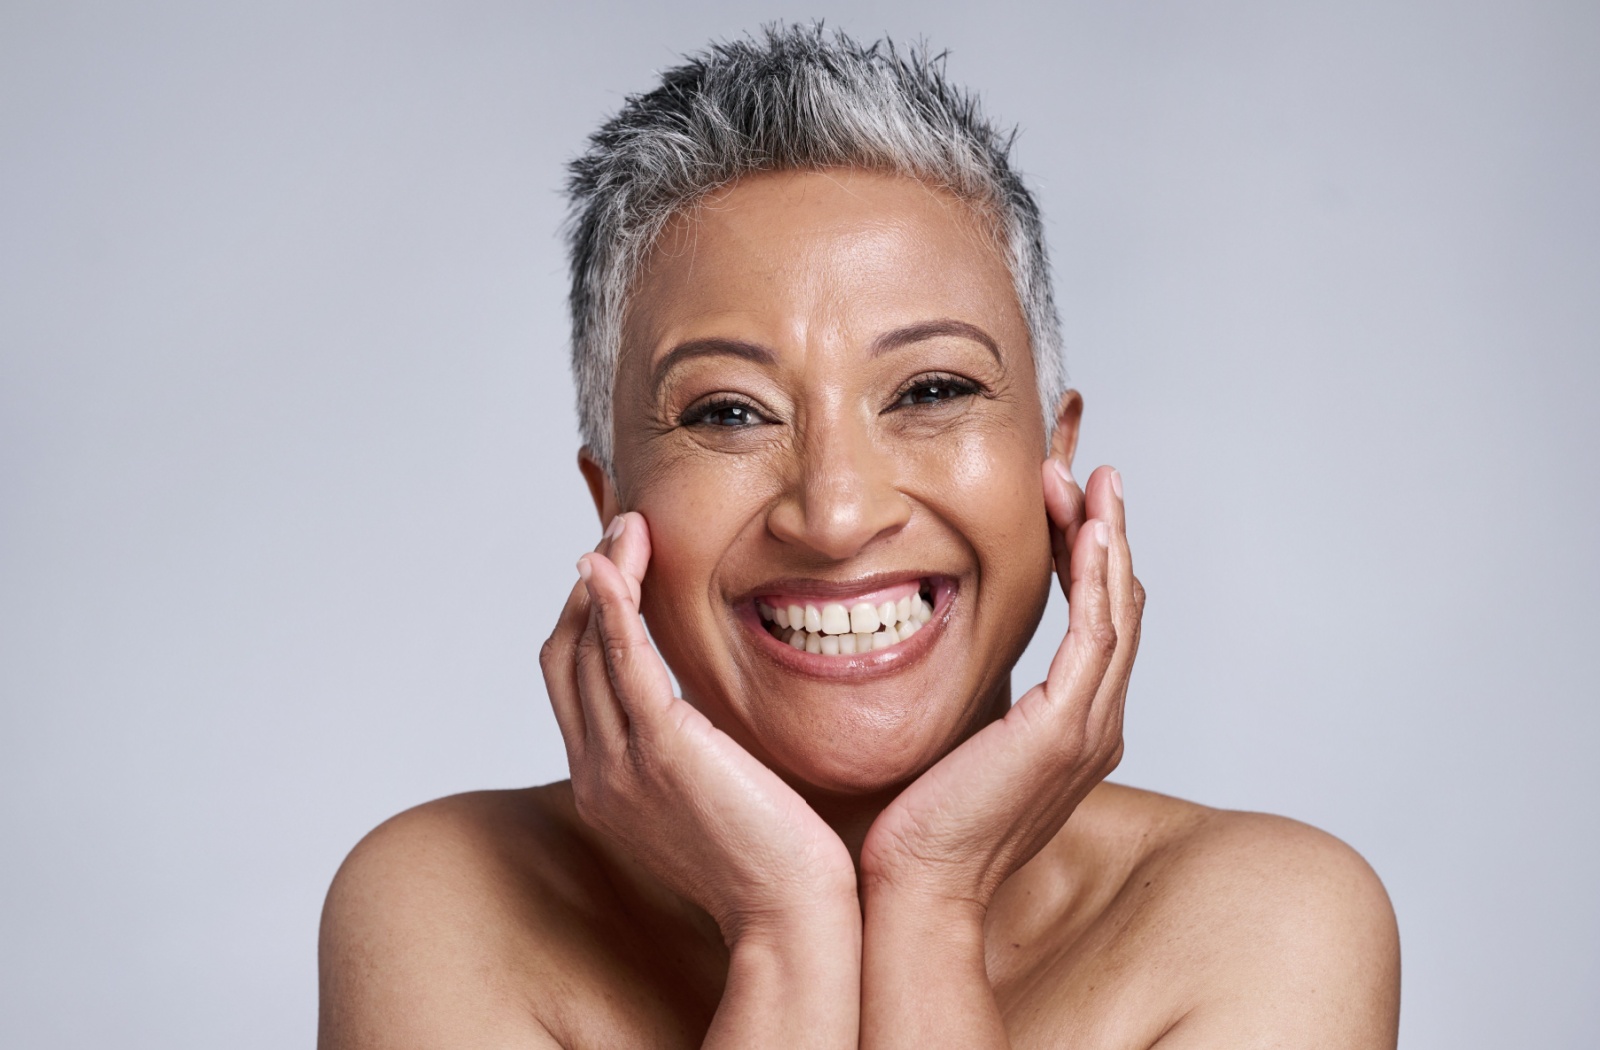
(843, 495)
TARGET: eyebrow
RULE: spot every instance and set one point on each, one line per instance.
(761, 355)
(916, 333)
(709, 348)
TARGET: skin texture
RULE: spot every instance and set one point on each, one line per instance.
(826, 385)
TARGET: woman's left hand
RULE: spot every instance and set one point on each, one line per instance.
(963, 827)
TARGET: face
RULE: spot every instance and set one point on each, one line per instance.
(826, 411)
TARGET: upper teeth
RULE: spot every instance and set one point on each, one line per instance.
(834, 629)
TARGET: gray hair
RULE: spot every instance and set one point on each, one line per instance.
(792, 98)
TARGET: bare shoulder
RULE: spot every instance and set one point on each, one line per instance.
(1286, 935)
(432, 929)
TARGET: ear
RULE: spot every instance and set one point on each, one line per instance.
(1069, 413)
(600, 487)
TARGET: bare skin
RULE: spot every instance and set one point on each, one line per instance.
(826, 390)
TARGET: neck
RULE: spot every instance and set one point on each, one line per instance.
(852, 816)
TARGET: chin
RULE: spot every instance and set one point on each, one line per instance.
(861, 757)
(870, 737)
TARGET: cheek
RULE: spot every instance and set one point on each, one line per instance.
(682, 557)
(683, 545)
(988, 484)
(694, 518)
(1004, 518)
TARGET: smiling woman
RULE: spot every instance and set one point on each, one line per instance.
(824, 421)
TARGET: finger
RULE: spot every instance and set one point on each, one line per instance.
(1119, 573)
(605, 720)
(558, 660)
(1064, 504)
(634, 670)
(630, 552)
(1080, 662)
(1127, 612)
(1101, 499)
(608, 716)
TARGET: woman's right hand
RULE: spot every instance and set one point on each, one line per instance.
(652, 773)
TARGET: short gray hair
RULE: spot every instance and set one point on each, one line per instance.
(790, 98)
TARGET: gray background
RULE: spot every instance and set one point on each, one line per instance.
(287, 498)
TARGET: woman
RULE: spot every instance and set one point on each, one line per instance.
(824, 418)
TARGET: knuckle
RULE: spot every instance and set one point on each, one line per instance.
(1103, 640)
(645, 763)
(587, 796)
(619, 651)
(1071, 749)
(587, 646)
(599, 799)
(1135, 632)
(1138, 595)
(548, 653)
(1035, 717)
(1114, 758)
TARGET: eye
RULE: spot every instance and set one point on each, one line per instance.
(932, 390)
(725, 412)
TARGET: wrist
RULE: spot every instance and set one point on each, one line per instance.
(802, 951)
(793, 980)
(813, 923)
(901, 878)
(925, 916)
(924, 976)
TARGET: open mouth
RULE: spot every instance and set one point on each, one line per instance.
(864, 623)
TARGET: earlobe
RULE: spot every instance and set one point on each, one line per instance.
(600, 487)
(1069, 413)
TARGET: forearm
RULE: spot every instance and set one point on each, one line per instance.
(795, 987)
(923, 979)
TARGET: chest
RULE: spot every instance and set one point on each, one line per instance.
(1096, 990)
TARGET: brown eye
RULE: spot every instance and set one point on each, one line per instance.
(724, 414)
(932, 391)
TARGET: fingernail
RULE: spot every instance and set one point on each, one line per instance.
(1116, 483)
(1061, 468)
(1102, 534)
(615, 528)
(583, 568)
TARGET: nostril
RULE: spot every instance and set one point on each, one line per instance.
(838, 526)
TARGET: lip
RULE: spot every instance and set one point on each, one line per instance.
(862, 666)
(836, 590)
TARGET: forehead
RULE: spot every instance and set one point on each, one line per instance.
(795, 255)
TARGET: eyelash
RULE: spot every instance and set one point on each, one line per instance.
(699, 415)
(953, 385)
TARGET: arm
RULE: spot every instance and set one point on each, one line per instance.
(794, 987)
(709, 821)
(923, 978)
(935, 857)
